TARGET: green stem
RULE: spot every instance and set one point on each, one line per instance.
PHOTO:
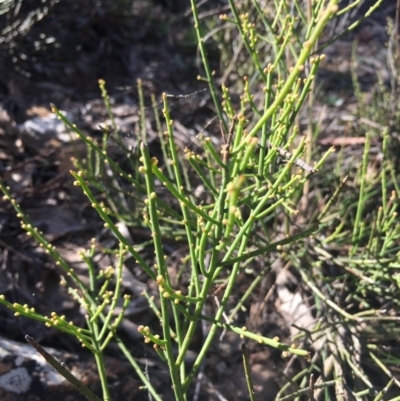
(206, 65)
(162, 268)
(297, 69)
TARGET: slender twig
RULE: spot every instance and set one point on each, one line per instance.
(311, 397)
(247, 372)
(62, 370)
(228, 140)
(307, 390)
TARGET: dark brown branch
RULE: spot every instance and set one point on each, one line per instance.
(62, 370)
